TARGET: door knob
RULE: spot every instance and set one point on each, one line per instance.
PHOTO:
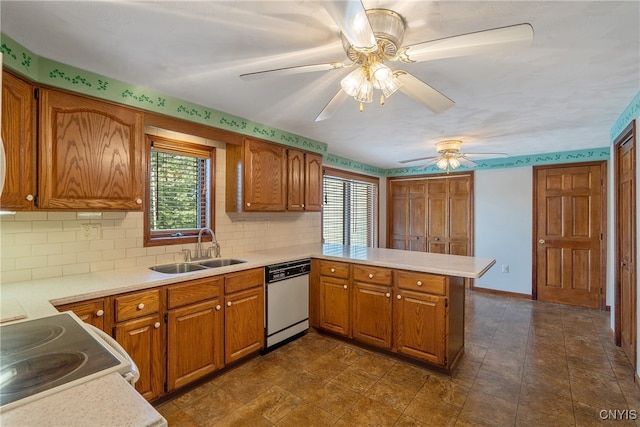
(541, 241)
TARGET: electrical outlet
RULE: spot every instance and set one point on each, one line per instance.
(90, 231)
(505, 268)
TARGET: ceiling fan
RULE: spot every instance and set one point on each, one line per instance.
(374, 36)
(450, 156)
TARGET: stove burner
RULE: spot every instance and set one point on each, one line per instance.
(25, 337)
(36, 371)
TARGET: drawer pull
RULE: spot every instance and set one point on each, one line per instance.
(370, 275)
(100, 313)
(333, 270)
(218, 307)
(229, 304)
(248, 204)
(419, 283)
(344, 286)
(138, 201)
(156, 325)
(388, 295)
(140, 306)
(399, 297)
(29, 197)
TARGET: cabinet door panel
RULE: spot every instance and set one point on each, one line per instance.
(421, 326)
(91, 312)
(265, 176)
(334, 305)
(295, 180)
(313, 182)
(194, 342)
(244, 323)
(90, 154)
(372, 314)
(142, 340)
(18, 140)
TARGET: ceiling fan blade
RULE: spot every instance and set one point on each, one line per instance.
(418, 159)
(487, 154)
(487, 41)
(466, 162)
(332, 106)
(352, 19)
(292, 70)
(421, 92)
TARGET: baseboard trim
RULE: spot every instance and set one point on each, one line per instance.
(502, 293)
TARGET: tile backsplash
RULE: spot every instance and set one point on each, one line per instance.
(38, 245)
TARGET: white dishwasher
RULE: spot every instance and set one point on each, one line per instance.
(287, 301)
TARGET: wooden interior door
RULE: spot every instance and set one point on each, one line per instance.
(625, 304)
(408, 214)
(568, 225)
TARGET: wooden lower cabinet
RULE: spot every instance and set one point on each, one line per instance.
(334, 305)
(142, 340)
(194, 342)
(91, 312)
(372, 321)
(244, 314)
(420, 323)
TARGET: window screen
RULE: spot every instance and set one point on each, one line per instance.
(350, 212)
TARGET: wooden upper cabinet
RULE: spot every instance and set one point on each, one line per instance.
(304, 179)
(256, 177)
(19, 143)
(91, 154)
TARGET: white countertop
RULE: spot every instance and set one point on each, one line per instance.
(35, 298)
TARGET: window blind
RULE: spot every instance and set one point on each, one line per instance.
(350, 212)
(178, 191)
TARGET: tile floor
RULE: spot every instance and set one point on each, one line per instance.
(526, 363)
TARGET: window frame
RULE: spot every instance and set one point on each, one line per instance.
(160, 238)
(354, 176)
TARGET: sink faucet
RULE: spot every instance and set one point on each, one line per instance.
(215, 247)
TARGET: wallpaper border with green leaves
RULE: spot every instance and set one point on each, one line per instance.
(56, 74)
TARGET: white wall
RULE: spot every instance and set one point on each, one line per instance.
(39, 245)
(503, 227)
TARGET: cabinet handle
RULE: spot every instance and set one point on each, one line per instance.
(248, 204)
(138, 201)
(29, 197)
(388, 295)
(99, 313)
(229, 304)
(344, 286)
(140, 306)
(303, 205)
(218, 307)
(333, 270)
(370, 275)
(419, 283)
(399, 297)
(541, 241)
(156, 325)
(436, 239)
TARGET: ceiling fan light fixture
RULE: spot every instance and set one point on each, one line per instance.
(454, 162)
(365, 92)
(352, 82)
(443, 163)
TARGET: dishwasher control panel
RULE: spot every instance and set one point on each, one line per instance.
(286, 270)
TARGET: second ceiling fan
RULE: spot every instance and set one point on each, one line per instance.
(372, 37)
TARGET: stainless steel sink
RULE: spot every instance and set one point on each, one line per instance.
(221, 262)
(182, 267)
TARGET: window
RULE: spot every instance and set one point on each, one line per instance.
(179, 196)
(350, 209)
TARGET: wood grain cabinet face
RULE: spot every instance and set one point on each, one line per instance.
(19, 143)
(335, 305)
(244, 314)
(420, 322)
(142, 339)
(91, 312)
(372, 314)
(90, 154)
(304, 179)
(194, 331)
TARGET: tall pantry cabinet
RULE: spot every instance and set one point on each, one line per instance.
(432, 214)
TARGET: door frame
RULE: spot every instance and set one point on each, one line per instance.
(628, 132)
(603, 227)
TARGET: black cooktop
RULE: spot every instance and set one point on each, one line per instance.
(43, 354)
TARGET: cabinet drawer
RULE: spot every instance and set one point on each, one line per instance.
(422, 282)
(136, 305)
(369, 274)
(334, 269)
(243, 280)
(193, 291)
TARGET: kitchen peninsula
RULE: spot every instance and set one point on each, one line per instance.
(417, 285)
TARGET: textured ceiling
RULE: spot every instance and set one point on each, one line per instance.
(563, 93)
